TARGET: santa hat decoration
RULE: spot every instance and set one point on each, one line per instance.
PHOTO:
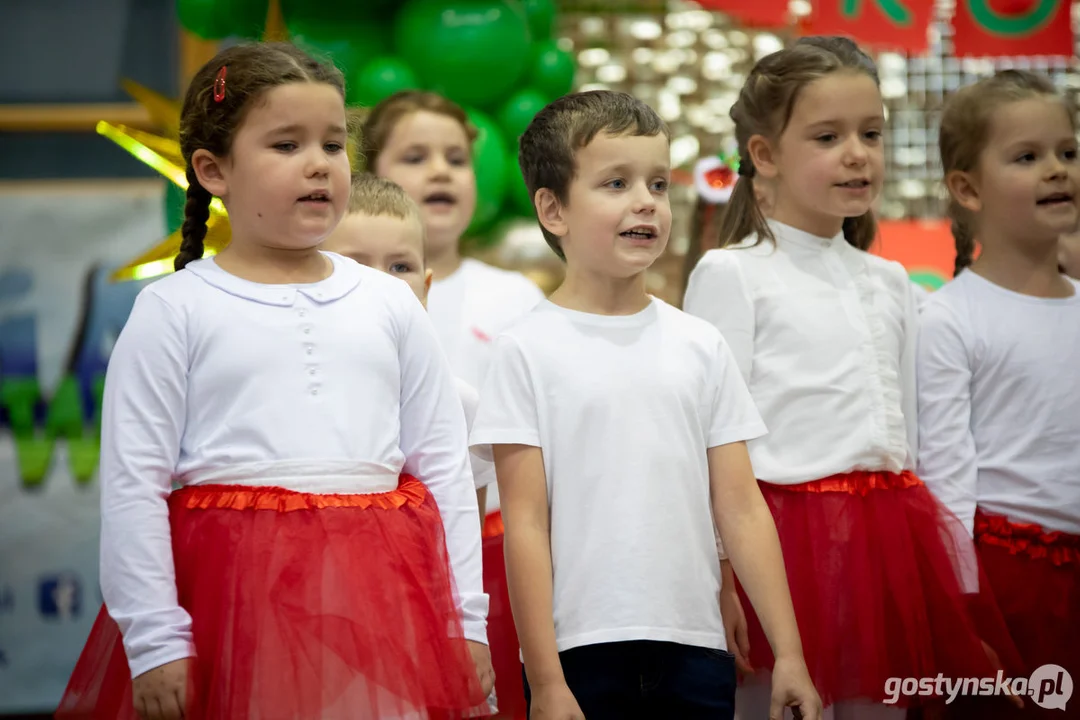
(715, 177)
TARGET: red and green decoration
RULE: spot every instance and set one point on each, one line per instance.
(983, 28)
(1012, 28)
(884, 24)
(496, 58)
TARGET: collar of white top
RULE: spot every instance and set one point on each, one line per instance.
(786, 233)
(343, 280)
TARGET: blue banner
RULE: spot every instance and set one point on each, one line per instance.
(59, 317)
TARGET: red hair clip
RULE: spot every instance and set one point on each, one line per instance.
(219, 84)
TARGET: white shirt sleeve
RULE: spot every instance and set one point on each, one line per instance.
(735, 417)
(716, 292)
(480, 456)
(908, 375)
(143, 413)
(508, 413)
(435, 444)
(948, 462)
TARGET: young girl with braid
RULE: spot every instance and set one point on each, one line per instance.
(289, 528)
(824, 333)
(999, 390)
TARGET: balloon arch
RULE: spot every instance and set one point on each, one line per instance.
(496, 58)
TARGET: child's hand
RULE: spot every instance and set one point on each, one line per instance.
(995, 662)
(738, 641)
(554, 702)
(161, 693)
(791, 687)
(481, 657)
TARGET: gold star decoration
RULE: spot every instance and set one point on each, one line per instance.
(162, 153)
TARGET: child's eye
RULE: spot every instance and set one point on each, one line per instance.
(400, 268)
(873, 135)
(333, 147)
(285, 146)
(616, 184)
(1026, 157)
(826, 138)
(1069, 154)
(660, 186)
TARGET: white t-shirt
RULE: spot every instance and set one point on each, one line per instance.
(825, 336)
(999, 402)
(624, 408)
(480, 457)
(331, 387)
(471, 307)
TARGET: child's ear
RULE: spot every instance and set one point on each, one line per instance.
(428, 275)
(550, 212)
(210, 172)
(763, 155)
(964, 189)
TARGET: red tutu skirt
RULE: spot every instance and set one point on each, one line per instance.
(303, 607)
(873, 564)
(502, 635)
(1035, 576)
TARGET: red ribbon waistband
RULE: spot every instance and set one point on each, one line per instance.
(859, 482)
(409, 491)
(1031, 539)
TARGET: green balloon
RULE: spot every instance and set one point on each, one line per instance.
(217, 19)
(175, 201)
(348, 46)
(490, 165)
(552, 70)
(541, 16)
(378, 80)
(472, 51)
(517, 112)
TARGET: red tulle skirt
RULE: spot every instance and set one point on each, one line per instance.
(502, 635)
(303, 607)
(1035, 576)
(873, 563)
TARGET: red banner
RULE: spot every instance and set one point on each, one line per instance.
(1012, 28)
(884, 24)
(755, 13)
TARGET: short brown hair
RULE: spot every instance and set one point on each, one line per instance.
(547, 151)
(965, 130)
(207, 123)
(764, 107)
(378, 197)
(384, 117)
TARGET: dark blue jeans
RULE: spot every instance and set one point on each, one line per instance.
(647, 680)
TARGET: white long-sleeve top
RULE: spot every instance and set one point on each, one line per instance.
(999, 402)
(824, 335)
(331, 387)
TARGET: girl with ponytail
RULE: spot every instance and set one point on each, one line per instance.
(824, 334)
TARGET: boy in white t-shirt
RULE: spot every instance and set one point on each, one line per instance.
(382, 228)
(618, 425)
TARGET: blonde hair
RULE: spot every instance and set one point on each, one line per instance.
(965, 130)
(376, 196)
